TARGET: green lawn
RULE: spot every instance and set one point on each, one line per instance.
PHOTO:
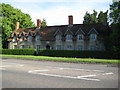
(62, 59)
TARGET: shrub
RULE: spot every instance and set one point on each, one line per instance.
(18, 51)
(79, 54)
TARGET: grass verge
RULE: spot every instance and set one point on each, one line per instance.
(62, 59)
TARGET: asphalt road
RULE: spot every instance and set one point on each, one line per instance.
(18, 73)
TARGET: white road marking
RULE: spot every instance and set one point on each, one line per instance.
(2, 69)
(107, 73)
(86, 76)
(36, 71)
(2, 66)
(21, 65)
(54, 75)
(80, 69)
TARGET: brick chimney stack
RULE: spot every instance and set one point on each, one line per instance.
(70, 19)
(38, 23)
(17, 25)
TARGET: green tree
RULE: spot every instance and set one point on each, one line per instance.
(87, 18)
(94, 17)
(44, 23)
(103, 17)
(115, 12)
(115, 26)
(9, 16)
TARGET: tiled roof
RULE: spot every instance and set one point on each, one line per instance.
(48, 32)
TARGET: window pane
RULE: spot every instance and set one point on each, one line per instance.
(80, 37)
(93, 36)
(58, 37)
(58, 47)
(69, 37)
(80, 47)
(38, 47)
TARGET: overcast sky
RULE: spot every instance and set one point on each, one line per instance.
(56, 11)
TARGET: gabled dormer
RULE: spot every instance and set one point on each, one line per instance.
(37, 36)
(14, 34)
(68, 32)
(58, 32)
(80, 35)
(93, 34)
(79, 31)
(30, 34)
(58, 35)
(21, 34)
(69, 35)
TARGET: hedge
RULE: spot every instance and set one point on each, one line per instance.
(80, 54)
(18, 51)
(64, 53)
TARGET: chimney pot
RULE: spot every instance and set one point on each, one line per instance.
(70, 19)
(38, 23)
(17, 25)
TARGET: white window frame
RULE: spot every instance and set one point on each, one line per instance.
(21, 39)
(38, 47)
(58, 37)
(37, 38)
(23, 46)
(29, 38)
(80, 47)
(80, 37)
(14, 39)
(93, 36)
(69, 37)
(14, 46)
(58, 47)
(69, 47)
(92, 47)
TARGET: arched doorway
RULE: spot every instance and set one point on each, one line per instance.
(47, 46)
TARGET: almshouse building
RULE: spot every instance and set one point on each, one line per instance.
(60, 37)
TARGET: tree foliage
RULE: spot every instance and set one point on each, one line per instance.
(9, 16)
(95, 17)
(44, 23)
(115, 26)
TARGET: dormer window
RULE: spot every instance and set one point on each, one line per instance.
(14, 39)
(29, 38)
(58, 37)
(69, 37)
(93, 37)
(37, 38)
(80, 37)
(21, 39)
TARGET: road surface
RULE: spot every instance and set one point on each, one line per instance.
(19, 73)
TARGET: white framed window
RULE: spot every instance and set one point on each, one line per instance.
(80, 37)
(92, 47)
(21, 39)
(14, 39)
(23, 46)
(58, 47)
(58, 37)
(37, 38)
(38, 47)
(69, 37)
(69, 47)
(93, 36)
(15, 47)
(80, 47)
(29, 38)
